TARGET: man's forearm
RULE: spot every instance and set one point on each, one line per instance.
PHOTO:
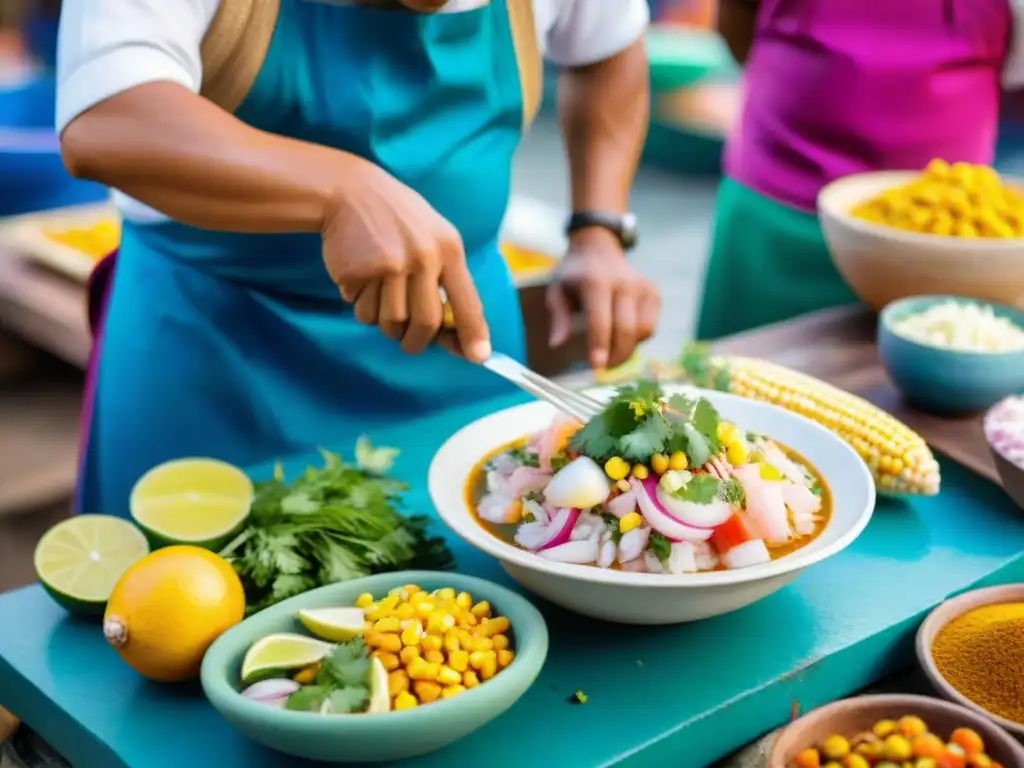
(604, 112)
(189, 159)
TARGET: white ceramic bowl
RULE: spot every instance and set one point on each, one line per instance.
(645, 598)
(882, 264)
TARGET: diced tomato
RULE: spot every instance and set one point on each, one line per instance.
(738, 529)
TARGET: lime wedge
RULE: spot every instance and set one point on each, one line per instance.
(79, 560)
(380, 693)
(203, 502)
(336, 624)
(275, 655)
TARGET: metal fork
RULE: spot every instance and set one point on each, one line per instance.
(575, 404)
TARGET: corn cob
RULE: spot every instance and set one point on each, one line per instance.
(899, 459)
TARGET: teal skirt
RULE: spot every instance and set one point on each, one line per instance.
(768, 263)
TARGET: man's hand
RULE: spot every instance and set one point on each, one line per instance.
(389, 252)
(621, 305)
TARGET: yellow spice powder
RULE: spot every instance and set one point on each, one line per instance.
(981, 654)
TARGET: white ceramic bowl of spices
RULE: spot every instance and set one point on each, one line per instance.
(971, 648)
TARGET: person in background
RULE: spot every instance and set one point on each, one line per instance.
(833, 88)
(290, 220)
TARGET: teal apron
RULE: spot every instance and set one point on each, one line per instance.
(768, 263)
(238, 346)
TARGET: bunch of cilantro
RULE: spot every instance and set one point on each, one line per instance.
(330, 524)
(341, 685)
(639, 422)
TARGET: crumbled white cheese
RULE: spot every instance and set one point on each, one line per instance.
(962, 326)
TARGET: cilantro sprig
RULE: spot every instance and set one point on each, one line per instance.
(333, 523)
(639, 422)
(342, 683)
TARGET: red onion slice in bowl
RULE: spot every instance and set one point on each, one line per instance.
(662, 521)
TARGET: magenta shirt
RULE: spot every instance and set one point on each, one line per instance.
(834, 87)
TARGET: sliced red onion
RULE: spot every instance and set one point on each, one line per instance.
(660, 520)
(753, 552)
(621, 505)
(579, 552)
(697, 515)
(560, 528)
(271, 691)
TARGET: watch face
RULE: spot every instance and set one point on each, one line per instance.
(627, 230)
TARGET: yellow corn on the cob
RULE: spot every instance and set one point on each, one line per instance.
(899, 459)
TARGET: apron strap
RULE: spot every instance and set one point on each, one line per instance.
(528, 56)
(234, 48)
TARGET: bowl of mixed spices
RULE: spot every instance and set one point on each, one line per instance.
(972, 650)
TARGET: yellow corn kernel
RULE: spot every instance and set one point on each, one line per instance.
(305, 675)
(464, 601)
(630, 522)
(727, 433)
(468, 619)
(405, 611)
(365, 600)
(421, 669)
(470, 679)
(446, 593)
(477, 659)
(388, 659)
(427, 691)
(434, 657)
(871, 432)
(440, 622)
(616, 468)
(465, 638)
(500, 642)
(640, 472)
(623, 485)
(458, 660)
(452, 691)
(496, 626)
(482, 610)
(448, 676)
(451, 640)
(389, 624)
(412, 589)
(505, 658)
(737, 454)
(419, 597)
(413, 633)
(398, 681)
(678, 462)
(409, 653)
(424, 608)
(388, 604)
(659, 463)
(489, 668)
(405, 700)
(431, 642)
(372, 639)
(483, 643)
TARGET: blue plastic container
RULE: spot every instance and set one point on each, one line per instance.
(32, 176)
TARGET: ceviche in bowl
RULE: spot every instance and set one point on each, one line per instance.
(673, 504)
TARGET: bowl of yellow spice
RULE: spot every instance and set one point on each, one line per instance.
(949, 229)
(972, 650)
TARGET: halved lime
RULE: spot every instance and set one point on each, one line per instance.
(380, 692)
(203, 502)
(336, 624)
(79, 560)
(278, 654)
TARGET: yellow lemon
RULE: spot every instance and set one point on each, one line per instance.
(168, 608)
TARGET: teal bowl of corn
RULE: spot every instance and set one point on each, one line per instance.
(413, 708)
(950, 355)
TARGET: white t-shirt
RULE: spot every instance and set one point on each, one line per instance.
(109, 46)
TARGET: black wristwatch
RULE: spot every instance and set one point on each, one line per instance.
(622, 225)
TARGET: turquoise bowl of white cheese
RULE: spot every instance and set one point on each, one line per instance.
(950, 355)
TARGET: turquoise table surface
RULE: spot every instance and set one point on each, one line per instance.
(680, 696)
